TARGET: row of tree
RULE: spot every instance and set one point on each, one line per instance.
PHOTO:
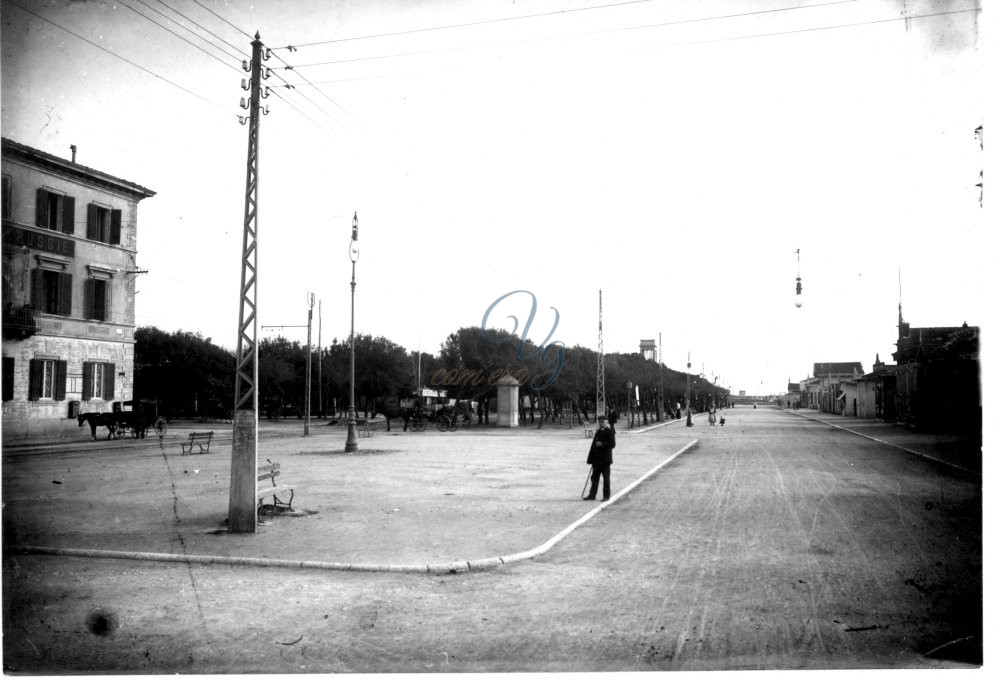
(192, 377)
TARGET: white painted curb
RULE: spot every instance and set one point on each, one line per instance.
(440, 568)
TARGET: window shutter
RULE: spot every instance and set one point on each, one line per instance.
(88, 380)
(66, 295)
(8, 378)
(88, 298)
(69, 214)
(92, 229)
(59, 393)
(6, 198)
(107, 301)
(109, 382)
(37, 290)
(116, 227)
(42, 208)
(35, 380)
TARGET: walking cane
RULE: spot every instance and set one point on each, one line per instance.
(590, 473)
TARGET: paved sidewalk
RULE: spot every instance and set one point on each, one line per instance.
(404, 499)
(947, 449)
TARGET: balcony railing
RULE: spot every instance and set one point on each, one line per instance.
(19, 322)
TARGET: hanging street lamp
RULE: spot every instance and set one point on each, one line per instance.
(352, 443)
(798, 280)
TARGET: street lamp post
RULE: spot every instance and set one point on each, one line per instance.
(310, 300)
(352, 444)
(798, 280)
(687, 396)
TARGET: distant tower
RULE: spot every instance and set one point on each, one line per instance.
(600, 354)
(904, 328)
(648, 349)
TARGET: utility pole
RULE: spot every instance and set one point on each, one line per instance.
(601, 396)
(310, 300)
(659, 401)
(319, 344)
(243, 467)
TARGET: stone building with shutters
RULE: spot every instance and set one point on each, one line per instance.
(69, 269)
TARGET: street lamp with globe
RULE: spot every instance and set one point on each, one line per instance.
(352, 444)
(798, 281)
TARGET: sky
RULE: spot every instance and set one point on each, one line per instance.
(681, 161)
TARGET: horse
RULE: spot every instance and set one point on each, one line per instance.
(392, 413)
(96, 420)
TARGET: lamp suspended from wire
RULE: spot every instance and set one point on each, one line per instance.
(798, 280)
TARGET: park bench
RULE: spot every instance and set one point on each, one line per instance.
(203, 440)
(365, 428)
(269, 471)
(588, 432)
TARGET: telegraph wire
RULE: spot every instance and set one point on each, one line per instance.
(272, 91)
(118, 56)
(629, 28)
(278, 94)
(822, 28)
(564, 11)
(241, 53)
(308, 82)
(574, 35)
(175, 33)
(474, 23)
(223, 19)
(287, 85)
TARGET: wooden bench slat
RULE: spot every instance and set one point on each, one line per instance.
(273, 490)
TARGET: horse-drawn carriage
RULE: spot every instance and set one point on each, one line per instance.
(449, 418)
(417, 416)
(128, 418)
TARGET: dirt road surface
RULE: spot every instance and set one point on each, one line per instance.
(778, 542)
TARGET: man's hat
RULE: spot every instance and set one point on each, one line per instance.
(602, 417)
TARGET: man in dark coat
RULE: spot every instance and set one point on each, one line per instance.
(600, 458)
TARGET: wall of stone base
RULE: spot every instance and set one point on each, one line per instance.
(26, 429)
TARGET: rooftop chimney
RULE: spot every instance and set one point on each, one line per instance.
(72, 147)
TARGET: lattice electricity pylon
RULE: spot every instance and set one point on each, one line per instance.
(246, 343)
(601, 398)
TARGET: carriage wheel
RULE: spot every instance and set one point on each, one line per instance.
(161, 427)
(442, 423)
(453, 427)
(420, 425)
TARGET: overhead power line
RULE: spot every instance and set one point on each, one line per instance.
(218, 37)
(309, 83)
(827, 28)
(276, 73)
(473, 23)
(207, 9)
(574, 35)
(175, 33)
(630, 28)
(118, 56)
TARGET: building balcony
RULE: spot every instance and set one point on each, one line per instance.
(19, 322)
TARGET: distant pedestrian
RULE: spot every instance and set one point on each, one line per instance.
(711, 417)
(599, 458)
(612, 418)
(722, 420)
